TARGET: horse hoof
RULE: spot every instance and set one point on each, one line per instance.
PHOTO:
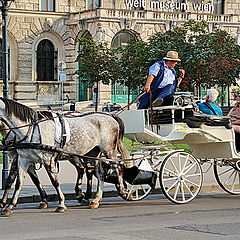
(43, 205)
(94, 205)
(80, 198)
(2, 205)
(6, 213)
(85, 202)
(61, 209)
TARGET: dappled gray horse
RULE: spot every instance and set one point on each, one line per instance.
(23, 128)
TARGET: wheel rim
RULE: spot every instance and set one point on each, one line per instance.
(227, 175)
(138, 192)
(180, 177)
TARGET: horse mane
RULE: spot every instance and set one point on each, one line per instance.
(45, 114)
(19, 110)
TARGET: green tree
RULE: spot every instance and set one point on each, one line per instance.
(131, 70)
(214, 59)
(95, 63)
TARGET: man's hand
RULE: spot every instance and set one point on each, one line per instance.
(182, 72)
(147, 88)
(148, 83)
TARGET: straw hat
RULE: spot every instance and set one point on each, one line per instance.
(172, 56)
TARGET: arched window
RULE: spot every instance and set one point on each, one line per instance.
(122, 39)
(119, 92)
(84, 88)
(46, 61)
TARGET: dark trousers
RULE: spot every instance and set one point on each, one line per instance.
(164, 93)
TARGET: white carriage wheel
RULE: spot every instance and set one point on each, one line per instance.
(227, 175)
(180, 177)
(138, 192)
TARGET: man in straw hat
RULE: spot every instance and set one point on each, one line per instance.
(162, 81)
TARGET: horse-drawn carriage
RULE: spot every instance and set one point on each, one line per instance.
(210, 138)
(30, 137)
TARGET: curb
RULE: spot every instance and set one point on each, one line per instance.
(106, 194)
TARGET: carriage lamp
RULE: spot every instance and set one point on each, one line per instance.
(4, 5)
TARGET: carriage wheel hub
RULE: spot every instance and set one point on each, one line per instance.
(181, 177)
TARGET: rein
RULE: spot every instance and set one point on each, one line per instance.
(48, 148)
(118, 111)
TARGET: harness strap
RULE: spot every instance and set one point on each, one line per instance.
(63, 131)
(210, 107)
(48, 148)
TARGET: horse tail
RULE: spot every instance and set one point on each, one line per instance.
(121, 125)
(120, 146)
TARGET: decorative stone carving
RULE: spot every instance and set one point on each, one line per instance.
(100, 34)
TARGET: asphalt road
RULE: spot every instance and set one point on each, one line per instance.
(210, 216)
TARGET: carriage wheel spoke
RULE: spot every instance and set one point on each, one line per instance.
(130, 192)
(185, 163)
(186, 186)
(137, 193)
(166, 169)
(190, 167)
(233, 170)
(143, 188)
(225, 172)
(169, 179)
(192, 182)
(174, 166)
(182, 190)
(233, 182)
(194, 175)
(172, 186)
(179, 162)
(176, 191)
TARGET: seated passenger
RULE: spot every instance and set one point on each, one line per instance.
(162, 81)
(209, 107)
(234, 115)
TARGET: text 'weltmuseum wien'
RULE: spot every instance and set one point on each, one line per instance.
(169, 5)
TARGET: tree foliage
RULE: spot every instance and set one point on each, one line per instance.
(131, 62)
(95, 61)
(208, 58)
(215, 59)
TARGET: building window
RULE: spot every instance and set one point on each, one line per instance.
(48, 5)
(46, 61)
(85, 92)
(122, 39)
(94, 4)
(119, 92)
(1, 63)
(218, 6)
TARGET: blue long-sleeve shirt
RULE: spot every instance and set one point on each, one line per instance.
(205, 109)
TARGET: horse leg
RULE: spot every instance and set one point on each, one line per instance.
(51, 171)
(22, 169)
(80, 172)
(10, 180)
(100, 177)
(90, 169)
(120, 186)
(33, 175)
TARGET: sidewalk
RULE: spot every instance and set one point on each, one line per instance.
(67, 176)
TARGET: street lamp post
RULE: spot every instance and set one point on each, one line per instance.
(4, 5)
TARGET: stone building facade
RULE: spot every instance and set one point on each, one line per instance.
(42, 34)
